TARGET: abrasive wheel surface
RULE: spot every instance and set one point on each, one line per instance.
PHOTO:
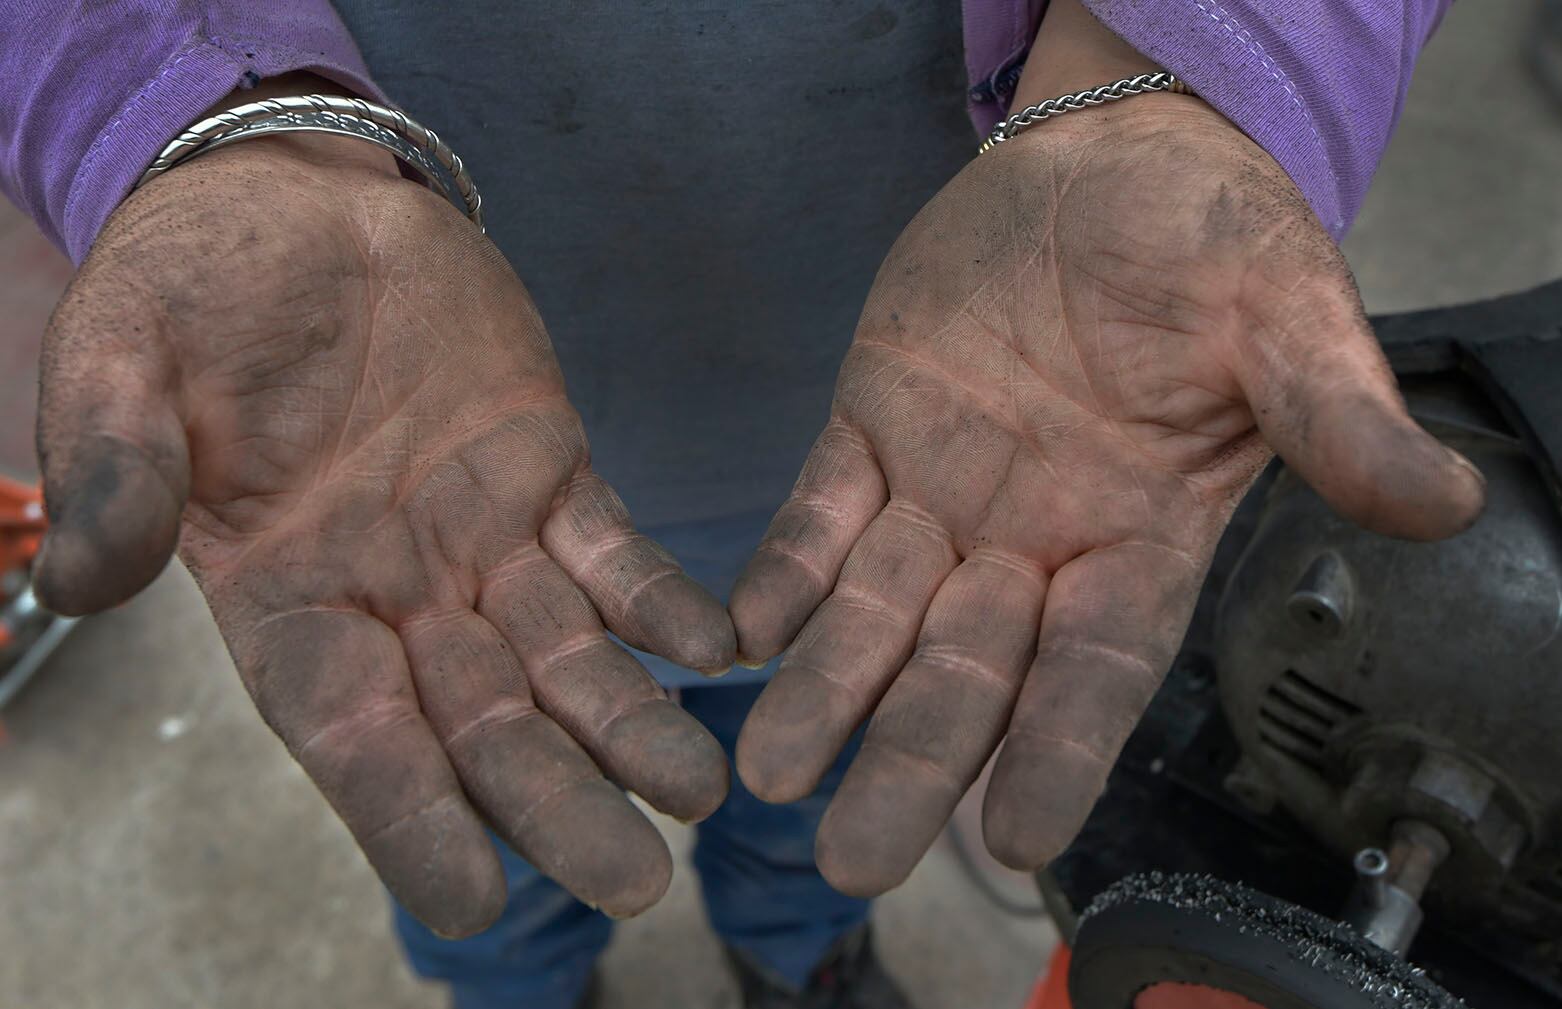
(1155, 928)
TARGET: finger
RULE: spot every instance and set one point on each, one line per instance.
(846, 655)
(937, 725)
(115, 464)
(1326, 401)
(334, 685)
(795, 566)
(599, 693)
(537, 787)
(643, 595)
(1113, 620)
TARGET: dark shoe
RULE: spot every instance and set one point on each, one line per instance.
(591, 997)
(849, 977)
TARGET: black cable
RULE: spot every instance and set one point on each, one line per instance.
(985, 886)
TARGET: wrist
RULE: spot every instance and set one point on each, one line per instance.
(1075, 52)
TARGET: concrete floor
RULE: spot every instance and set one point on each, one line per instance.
(159, 849)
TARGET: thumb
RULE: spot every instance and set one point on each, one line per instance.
(1325, 399)
(115, 463)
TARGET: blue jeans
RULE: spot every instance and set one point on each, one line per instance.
(762, 891)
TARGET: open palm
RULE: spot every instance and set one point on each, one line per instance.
(344, 396)
(1073, 363)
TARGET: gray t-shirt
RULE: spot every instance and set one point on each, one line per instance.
(697, 195)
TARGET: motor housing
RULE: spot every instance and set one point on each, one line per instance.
(1371, 681)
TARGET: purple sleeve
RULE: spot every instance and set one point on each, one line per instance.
(90, 92)
(1317, 85)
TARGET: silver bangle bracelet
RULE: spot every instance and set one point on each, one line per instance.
(414, 145)
(1026, 118)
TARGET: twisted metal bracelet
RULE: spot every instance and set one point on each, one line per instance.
(413, 144)
(1026, 118)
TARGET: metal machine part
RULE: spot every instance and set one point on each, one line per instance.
(1364, 728)
(1373, 683)
(1185, 929)
(1167, 809)
(1385, 904)
(28, 632)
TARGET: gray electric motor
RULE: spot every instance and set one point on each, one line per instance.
(1403, 701)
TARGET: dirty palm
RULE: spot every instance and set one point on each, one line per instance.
(1054, 400)
(1073, 362)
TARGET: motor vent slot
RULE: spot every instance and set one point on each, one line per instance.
(1298, 717)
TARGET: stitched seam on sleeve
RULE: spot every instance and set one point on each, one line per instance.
(230, 50)
(95, 152)
(1245, 39)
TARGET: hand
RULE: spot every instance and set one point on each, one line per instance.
(333, 391)
(1071, 367)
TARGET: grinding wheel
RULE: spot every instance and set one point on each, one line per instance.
(1153, 931)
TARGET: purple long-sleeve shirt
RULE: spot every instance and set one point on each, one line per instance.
(90, 92)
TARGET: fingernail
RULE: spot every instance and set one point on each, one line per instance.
(1460, 460)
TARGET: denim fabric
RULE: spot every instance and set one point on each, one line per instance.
(537, 956)
(762, 892)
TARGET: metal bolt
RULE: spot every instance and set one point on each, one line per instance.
(1324, 597)
(1372, 875)
(1385, 903)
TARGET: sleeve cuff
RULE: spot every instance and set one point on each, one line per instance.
(189, 82)
(1318, 86)
(1228, 67)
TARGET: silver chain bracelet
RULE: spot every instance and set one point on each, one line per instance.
(416, 146)
(1026, 118)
